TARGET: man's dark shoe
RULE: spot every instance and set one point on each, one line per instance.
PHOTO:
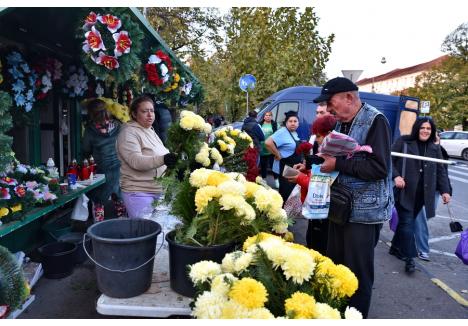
(410, 267)
(395, 252)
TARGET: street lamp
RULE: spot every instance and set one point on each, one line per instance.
(382, 61)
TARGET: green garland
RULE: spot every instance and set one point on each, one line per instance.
(13, 287)
(128, 62)
(6, 154)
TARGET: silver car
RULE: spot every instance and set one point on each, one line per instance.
(455, 143)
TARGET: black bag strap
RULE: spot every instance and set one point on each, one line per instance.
(403, 169)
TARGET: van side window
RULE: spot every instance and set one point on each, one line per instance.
(283, 108)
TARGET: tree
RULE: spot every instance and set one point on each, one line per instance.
(446, 85)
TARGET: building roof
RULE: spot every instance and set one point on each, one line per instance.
(403, 71)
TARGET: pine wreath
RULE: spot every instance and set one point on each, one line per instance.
(111, 44)
(6, 155)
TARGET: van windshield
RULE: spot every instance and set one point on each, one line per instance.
(262, 106)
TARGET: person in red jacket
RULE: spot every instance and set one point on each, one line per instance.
(317, 230)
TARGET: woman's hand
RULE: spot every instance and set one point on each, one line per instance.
(293, 179)
(446, 198)
(399, 182)
(300, 167)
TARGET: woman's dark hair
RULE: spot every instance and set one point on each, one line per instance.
(136, 103)
(417, 125)
(288, 115)
(96, 110)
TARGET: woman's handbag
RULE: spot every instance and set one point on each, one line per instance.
(462, 248)
(341, 203)
(293, 206)
(455, 226)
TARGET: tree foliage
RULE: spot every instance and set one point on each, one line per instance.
(446, 85)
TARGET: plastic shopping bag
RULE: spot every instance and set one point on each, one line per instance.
(393, 222)
(317, 202)
(462, 248)
(293, 205)
(80, 210)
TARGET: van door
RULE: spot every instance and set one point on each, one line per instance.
(281, 108)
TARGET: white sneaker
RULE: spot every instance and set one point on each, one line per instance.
(276, 185)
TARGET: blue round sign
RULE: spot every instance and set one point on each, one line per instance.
(247, 82)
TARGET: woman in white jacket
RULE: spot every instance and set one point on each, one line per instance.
(143, 157)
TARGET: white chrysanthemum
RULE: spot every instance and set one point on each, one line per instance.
(207, 128)
(243, 262)
(215, 155)
(232, 187)
(229, 201)
(262, 199)
(187, 123)
(280, 228)
(203, 156)
(185, 113)
(276, 200)
(237, 177)
(299, 266)
(244, 135)
(199, 177)
(233, 310)
(230, 148)
(277, 214)
(204, 271)
(276, 253)
(221, 284)
(272, 243)
(208, 306)
(245, 211)
(260, 313)
(324, 311)
(227, 264)
(352, 313)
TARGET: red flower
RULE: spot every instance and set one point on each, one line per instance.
(93, 41)
(20, 191)
(304, 148)
(153, 75)
(4, 193)
(250, 157)
(113, 23)
(107, 61)
(164, 57)
(90, 19)
(122, 43)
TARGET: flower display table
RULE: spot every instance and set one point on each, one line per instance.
(158, 301)
(38, 212)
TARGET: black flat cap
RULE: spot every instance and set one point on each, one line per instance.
(334, 86)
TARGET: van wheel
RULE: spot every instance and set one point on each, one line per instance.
(465, 154)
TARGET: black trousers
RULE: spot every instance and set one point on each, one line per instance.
(353, 246)
(266, 161)
(317, 235)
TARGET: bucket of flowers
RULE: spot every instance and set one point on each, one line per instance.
(273, 278)
(217, 211)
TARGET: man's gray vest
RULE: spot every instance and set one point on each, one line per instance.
(372, 200)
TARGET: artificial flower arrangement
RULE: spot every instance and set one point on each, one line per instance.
(237, 150)
(159, 71)
(273, 278)
(48, 70)
(77, 82)
(219, 208)
(22, 187)
(119, 111)
(6, 122)
(111, 44)
(23, 83)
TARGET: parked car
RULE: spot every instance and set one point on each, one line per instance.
(455, 143)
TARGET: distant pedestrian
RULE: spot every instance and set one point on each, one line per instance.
(253, 129)
(321, 110)
(269, 126)
(416, 187)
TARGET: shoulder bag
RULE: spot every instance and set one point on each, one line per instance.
(341, 203)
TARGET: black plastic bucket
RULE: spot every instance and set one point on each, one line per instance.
(180, 256)
(123, 251)
(58, 259)
(77, 238)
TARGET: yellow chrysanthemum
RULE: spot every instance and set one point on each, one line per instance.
(232, 187)
(215, 155)
(352, 313)
(16, 208)
(208, 306)
(280, 227)
(207, 128)
(4, 212)
(203, 156)
(229, 140)
(249, 293)
(204, 271)
(288, 236)
(215, 178)
(221, 284)
(237, 177)
(250, 189)
(204, 195)
(187, 122)
(222, 146)
(245, 211)
(300, 306)
(260, 313)
(229, 201)
(324, 311)
(250, 241)
(277, 214)
(199, 177)
(348, 281)
(235, 132)
(299, 266)
(220, 133)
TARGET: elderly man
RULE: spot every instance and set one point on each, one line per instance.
(368, 176)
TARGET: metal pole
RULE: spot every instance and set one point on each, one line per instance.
(247, 109)
(424, 158)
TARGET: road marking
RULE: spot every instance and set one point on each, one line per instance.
(458, 179)
(448, 218)
(443, 238)
(458, 298)
(443, 253)
(458, 172)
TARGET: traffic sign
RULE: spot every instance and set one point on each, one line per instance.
(425, 106)
(247, 82)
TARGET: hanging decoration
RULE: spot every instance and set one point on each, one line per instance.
(48, 70)
(159, 70)
(23, 81)
(111, 44)
(6, 154)
(77, 82)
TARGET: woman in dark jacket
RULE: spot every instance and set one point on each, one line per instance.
(416, 186)
(99, 140)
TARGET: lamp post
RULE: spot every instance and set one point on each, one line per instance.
(382, 61)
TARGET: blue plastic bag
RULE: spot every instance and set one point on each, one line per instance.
(393, 223)
(462, 248)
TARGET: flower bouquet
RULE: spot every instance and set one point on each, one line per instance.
(218, 208)
(272, 278)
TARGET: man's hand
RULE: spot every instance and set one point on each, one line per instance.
(399, 182)
(329, 164)
(300, 167)
(446, 198)
(293, 179)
